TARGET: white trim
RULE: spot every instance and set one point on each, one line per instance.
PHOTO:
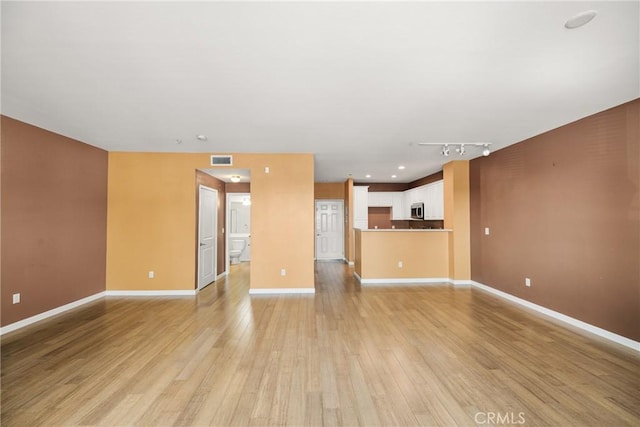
(158, 293)
(221, 275)
(461, 282)
(416, 280)
(635, 345)
(266, 291)
(38, 317)
(351, 263)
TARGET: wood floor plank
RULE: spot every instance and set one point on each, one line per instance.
(432, 355)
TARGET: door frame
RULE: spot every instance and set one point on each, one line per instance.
(215, 236)
(315, 228)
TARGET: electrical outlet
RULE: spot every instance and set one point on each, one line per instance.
(399, 264)
(527, 281)
(151, 275)
(486, 231)
(283, 272)
(16, 298)
(266, 169)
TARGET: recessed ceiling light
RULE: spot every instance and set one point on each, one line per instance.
(580, 19)
(401, 167)
(367, 176)
(201, 137)
(394, 176)
(235, 178)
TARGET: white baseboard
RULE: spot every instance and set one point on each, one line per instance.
(270, 291)
(461, 282)
(38, 317)
(410, 281)
(159, 293)
(350, 263)
(221, 275)
(417, 280)
(619, 339)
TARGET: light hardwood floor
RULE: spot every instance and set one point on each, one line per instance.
(401, 355)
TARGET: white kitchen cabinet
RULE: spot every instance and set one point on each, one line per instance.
(434, 200)
(410, 197)
(361, 207)
(380, 199)
(398, 210)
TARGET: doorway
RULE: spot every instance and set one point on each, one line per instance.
(207, 235)
(239, 227)
(329, 229)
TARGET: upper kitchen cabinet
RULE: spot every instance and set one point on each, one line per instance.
(434, 200)
(361, 207)
(380, 199)
(397, 205)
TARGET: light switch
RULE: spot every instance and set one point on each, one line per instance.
(486, 231)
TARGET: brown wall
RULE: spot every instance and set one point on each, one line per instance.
(238, 187)
(379, 217)
(211, 182)
(380, 187)
(563, 209)
(328, 190)
(54, 220)
(426, 180)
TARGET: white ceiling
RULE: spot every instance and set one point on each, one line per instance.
(357, 84)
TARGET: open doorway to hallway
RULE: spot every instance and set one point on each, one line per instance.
(233, 210)
(239, 228)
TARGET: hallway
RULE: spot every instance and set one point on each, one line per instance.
(402, 355)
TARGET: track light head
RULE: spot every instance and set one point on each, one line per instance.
(461, 149)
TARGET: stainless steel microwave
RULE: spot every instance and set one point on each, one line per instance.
(417, 211)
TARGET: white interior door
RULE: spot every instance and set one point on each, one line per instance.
(207, 235)
(329, 231)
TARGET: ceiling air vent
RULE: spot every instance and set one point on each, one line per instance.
(221, 160)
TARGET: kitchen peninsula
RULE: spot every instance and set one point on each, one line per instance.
(402, 255)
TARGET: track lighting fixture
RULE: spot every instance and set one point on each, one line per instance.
(461, 147)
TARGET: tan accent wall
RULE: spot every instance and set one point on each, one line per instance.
(563, 208)
(349, 239)
(457, 217)
(211, 182)
(54, 204)
(423, 254)
(152, 215)
(282, 219)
